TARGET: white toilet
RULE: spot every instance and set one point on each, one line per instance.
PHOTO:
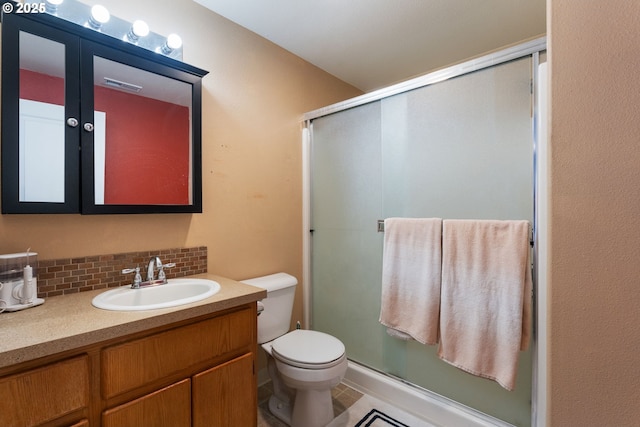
(303, 365)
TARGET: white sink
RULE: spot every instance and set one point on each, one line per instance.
(175, 292)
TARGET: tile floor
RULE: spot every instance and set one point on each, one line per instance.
(343, 397)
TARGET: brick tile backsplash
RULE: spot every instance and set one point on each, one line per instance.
(70, 275)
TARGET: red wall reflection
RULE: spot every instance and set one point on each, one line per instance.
(146, 160)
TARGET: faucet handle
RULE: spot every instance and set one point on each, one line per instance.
(137, 278)
(161, 275)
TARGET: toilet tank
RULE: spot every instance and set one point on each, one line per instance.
(275, 319)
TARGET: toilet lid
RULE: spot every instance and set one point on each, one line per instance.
(308, 349)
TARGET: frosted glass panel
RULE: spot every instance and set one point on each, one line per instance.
(347, 262)
(462, 148)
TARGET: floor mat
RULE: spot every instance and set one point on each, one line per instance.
(377, 418)
(371, 412)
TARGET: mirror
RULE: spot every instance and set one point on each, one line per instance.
(142, 137)
(95, 125)
(41, 120)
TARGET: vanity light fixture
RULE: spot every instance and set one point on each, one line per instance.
(99, 16)
(138, 29)
(95, 18)
(173, 42)
(51, 6)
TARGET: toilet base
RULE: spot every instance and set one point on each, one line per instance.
(280, 409)
(312, 408)
(282, 399)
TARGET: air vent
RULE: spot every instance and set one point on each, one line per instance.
(108, 81)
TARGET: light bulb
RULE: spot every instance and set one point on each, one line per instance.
(51, 6)
(173, 42)
(99, 15)
(137, 30)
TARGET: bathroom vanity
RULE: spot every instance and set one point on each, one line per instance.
(67, 363)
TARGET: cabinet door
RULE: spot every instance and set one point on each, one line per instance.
(226, 395)
(168, 407)
(40, 109)
(45, 394)
(149, 159)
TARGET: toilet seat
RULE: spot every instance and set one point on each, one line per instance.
(308, 349)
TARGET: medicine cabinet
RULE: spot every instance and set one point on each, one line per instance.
(95, 125)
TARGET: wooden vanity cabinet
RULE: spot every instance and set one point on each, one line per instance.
(197, 373)
(212, 361)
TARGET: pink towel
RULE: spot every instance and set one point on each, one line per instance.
(485, 317)
(411, 270)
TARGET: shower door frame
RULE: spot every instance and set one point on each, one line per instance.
(533, 49)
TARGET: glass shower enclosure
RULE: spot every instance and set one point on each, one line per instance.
(460, 148)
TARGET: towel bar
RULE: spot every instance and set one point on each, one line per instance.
(381, 230)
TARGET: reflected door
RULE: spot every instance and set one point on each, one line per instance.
(41, 152)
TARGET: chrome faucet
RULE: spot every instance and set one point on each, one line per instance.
(154, 263)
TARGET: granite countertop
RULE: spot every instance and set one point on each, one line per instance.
(70, 321)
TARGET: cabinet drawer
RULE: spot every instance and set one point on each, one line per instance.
(170, 407)
(142, 361)
(44, 394)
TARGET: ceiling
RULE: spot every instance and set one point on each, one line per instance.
(375, 43)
